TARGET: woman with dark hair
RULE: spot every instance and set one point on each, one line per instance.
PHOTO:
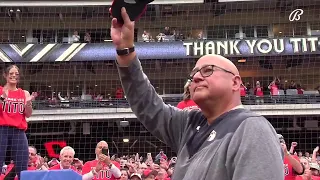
(16, 107)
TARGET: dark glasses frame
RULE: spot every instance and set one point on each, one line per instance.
(204, 73)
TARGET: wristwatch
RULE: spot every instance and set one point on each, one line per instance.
(2, 98)
(125, 51)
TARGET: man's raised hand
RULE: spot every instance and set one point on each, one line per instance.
(122, 34)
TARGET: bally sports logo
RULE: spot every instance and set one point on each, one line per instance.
(295, 15)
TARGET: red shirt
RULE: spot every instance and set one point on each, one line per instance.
(12, 113)
(313, 178)
(288, 170)
(104, 174)
(187, 104)
(259, 91)
(274, 90)
(58, 167)
(242, 91)
(300, 91)
(119, 93)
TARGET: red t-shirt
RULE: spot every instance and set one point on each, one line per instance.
(288, 170)
(259, 91)
(119, 93)
(187, 104)
(313, 178)
(299, 91)
(104, 174)
(242, 91)
(274, 90)
(58, 167)
(12, 113)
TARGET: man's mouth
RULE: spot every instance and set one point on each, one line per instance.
(199, 88)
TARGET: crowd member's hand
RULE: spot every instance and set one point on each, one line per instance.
(316, 149)
(122, 36)
(113, 157)
(4, 92)
(294, 144)
(131, 167)
(105, 159)
(284, 148)
(164, 164)
(30, 98)
(40, 162)
(154, 166)
(99, 167)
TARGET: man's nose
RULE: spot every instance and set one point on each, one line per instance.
(197, 77)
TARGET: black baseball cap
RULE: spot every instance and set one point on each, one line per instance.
(134, 8)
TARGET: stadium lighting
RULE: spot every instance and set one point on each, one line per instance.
(125, 140)
(124, 123)
(242, 60)
(107, 40)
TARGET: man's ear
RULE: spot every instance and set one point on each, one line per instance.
(236, 82)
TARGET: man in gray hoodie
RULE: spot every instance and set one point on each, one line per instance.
(223, 141)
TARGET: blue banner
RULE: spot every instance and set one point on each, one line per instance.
(160, 50)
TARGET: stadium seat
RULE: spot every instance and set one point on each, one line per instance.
(50, 175)
(291, 91)
(292, 95)
(311, 92)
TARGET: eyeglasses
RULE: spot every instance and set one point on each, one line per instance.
(207, 71)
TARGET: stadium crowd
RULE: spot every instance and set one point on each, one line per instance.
(297, 166)
(134, 167)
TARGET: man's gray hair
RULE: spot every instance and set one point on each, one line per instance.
(67, 148)
(35, 149)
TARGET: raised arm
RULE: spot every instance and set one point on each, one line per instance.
(165, 122)
(314, 154)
